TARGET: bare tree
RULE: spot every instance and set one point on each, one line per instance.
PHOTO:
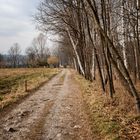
(2, 61)
(38, 53)
(14, 53)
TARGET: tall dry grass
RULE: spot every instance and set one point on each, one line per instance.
(13, 86)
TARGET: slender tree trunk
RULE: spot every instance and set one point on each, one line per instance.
(137, 53)
(96, 56)
(93, 66)
(77, 56)
(123, 36)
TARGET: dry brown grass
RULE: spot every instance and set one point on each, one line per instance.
(112, 119)
(12, 82)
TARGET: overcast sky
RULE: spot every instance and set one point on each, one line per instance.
(16, 23)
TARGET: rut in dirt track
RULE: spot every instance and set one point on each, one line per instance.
(54, 112)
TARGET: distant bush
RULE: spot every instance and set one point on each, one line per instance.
(53, 61)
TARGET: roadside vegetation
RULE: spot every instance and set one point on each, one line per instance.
(111, 119)
(17, 83)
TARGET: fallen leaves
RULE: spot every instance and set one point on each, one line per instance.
(111, 118)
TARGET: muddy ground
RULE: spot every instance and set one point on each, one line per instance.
(55, 112)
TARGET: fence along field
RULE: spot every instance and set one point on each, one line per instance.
(17, 83)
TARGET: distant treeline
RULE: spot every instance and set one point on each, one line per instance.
(23, 61)
(37, 55)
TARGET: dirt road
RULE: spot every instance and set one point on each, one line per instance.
(54, 112)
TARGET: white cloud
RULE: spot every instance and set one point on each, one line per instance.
(8, 9)
(16, 23)
(24, 39)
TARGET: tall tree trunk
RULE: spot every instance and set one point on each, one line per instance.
(123, 34)
(93, 70)
(77, 56)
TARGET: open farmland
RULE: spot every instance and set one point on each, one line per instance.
(17, 83)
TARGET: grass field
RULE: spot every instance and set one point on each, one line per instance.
(17, 83)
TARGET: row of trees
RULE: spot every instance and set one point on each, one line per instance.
(37, 55)
(14, 57)
(102, 34)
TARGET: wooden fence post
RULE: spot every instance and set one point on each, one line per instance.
(26, 89)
